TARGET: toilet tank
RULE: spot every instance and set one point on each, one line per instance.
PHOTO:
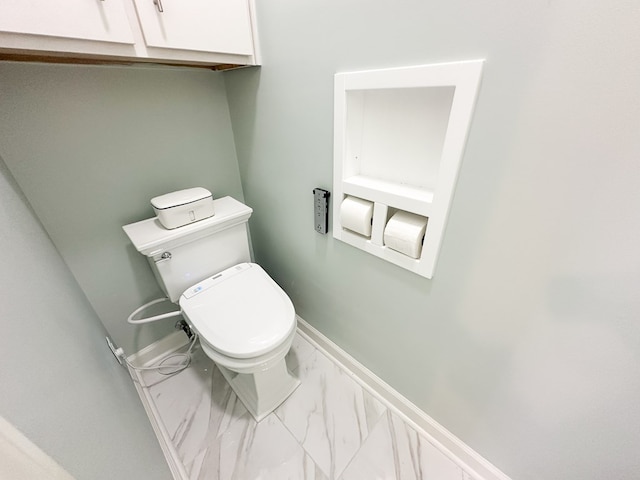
(187, 255)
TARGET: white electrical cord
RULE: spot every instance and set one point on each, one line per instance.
(155, 318)
(175, 367)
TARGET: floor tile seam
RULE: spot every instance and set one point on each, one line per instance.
(177, 456)
(308, 454)
(388, 406)
(309, 356)
(306, 360)
(353, 458)
(301, 444)
(275, 412)
(470, 462)
(302, 364)
(350, 376)
(385, 417)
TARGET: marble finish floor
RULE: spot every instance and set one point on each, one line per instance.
(330, 428)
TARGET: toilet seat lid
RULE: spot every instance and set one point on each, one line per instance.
(241, 312)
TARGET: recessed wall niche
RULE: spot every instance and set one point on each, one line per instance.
(399, 137)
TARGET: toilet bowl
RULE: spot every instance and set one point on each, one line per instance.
(244, 320)
(246, 324)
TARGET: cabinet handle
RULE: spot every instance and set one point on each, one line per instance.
(158, 3)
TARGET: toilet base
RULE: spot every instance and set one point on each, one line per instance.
(262, 392)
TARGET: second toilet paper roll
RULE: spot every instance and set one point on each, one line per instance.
(404, 233)
(356, 215)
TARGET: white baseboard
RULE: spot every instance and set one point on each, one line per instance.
(470, 461)
(475, 466)
(21, 458)
(148, 356)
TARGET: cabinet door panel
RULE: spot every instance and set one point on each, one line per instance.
(202, 25)
(98, 20)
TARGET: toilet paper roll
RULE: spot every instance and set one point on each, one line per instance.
(356, 215)
(404, 233)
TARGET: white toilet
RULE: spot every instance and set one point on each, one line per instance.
(244, 320)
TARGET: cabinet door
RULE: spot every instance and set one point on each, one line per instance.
(222, 26)
(98, 20)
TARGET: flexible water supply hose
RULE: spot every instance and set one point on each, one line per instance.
(155, 318)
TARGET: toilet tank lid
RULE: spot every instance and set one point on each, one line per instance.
(150, 237)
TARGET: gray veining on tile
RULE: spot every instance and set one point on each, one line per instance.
(300, 351)
(395, 451)
(329, 414)
(194, 405)
(329, 428)
(253, 451)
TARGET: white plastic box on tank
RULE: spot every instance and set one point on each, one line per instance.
(399, 137)
(183, 207)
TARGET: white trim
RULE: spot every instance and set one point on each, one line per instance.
(257, 55)
(359, 121)
(147, 356)
(473, 464)
(151, 353)
(469, 460)
(20, 458)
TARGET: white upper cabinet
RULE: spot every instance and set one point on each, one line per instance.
(217, 33)
(201, 25)
(102, 21)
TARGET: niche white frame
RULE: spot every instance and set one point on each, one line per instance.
(382, 113)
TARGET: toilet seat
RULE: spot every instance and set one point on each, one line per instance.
(240, 312)
(259, 363)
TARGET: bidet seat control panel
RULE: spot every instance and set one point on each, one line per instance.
(212, 281)
(321, 210)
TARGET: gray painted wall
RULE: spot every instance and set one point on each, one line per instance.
(90, 146)
(60, 384)
(526, 344)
